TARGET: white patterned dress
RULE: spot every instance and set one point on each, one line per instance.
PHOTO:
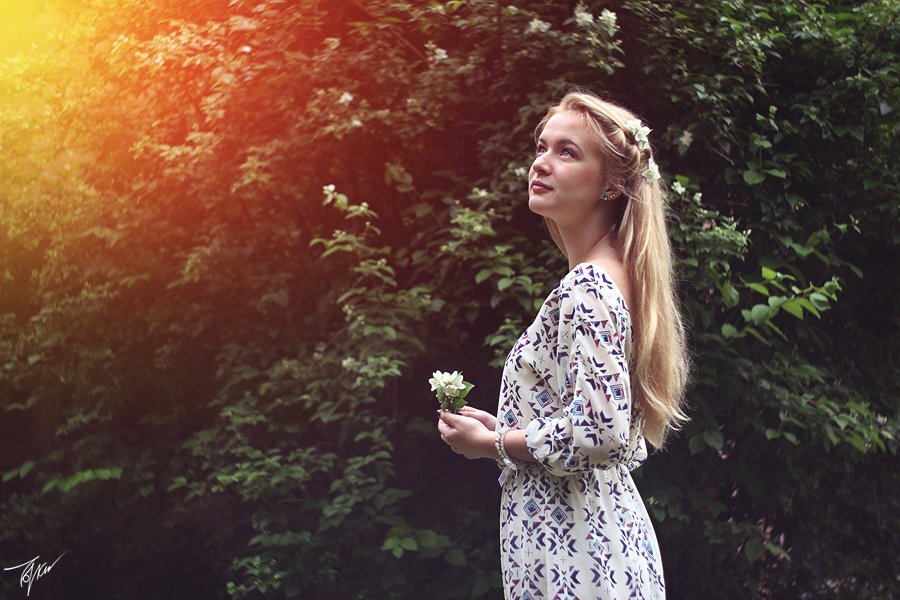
(573, 525)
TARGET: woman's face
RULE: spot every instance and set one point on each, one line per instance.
(570, 169)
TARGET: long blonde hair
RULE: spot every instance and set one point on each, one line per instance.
(662, 362)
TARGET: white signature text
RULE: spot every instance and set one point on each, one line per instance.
(30, 573)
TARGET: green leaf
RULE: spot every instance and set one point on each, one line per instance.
(768, 273)
(696, 444)
(777, 550)
(753, 177)
(729, 294)
(713, 439)
(752, 331)
(776, 301)
(428, 538)
(808, 306)
(729, 331)
(776, 173)
(753, 549)
(758, 287)
(819, 300)
(482, 275)
(455, 557)
(793, 307)
(759, 313)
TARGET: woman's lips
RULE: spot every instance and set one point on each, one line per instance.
(540, 187)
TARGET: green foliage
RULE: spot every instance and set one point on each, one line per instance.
(236, 238)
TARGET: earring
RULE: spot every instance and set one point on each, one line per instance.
(606, 196)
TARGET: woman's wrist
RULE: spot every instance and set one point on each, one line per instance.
(516, 448)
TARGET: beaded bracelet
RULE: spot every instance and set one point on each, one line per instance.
(500, 445)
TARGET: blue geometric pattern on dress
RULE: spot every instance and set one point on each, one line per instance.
(606, 338)
(558, 515)
(544, 398)
(567, 383)
(617, 392)
(578, 408)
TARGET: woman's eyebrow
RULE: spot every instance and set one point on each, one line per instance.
(562, 141)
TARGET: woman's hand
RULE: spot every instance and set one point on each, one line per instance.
(486, 418)
(466, 435)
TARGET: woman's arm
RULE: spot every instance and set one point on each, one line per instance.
(469, 437)
(514, 443)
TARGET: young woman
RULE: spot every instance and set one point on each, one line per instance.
(601, 369)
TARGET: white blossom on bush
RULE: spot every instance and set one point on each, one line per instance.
(582, 17)
(537, 26)
(608, 18)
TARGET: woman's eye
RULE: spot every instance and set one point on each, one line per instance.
(540, 149)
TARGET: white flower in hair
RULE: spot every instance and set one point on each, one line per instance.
(640, 133)
(651, 173)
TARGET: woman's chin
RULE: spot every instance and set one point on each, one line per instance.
(537, 205)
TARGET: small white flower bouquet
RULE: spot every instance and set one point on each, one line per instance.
(451, 390)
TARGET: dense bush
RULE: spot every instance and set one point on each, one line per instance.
(238, 237)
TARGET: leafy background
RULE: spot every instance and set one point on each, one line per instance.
(237, 237)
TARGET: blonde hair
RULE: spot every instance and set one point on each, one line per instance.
(662, 362)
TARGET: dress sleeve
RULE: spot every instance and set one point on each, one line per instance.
(592, 382)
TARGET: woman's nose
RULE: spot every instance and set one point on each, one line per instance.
(540, 165)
